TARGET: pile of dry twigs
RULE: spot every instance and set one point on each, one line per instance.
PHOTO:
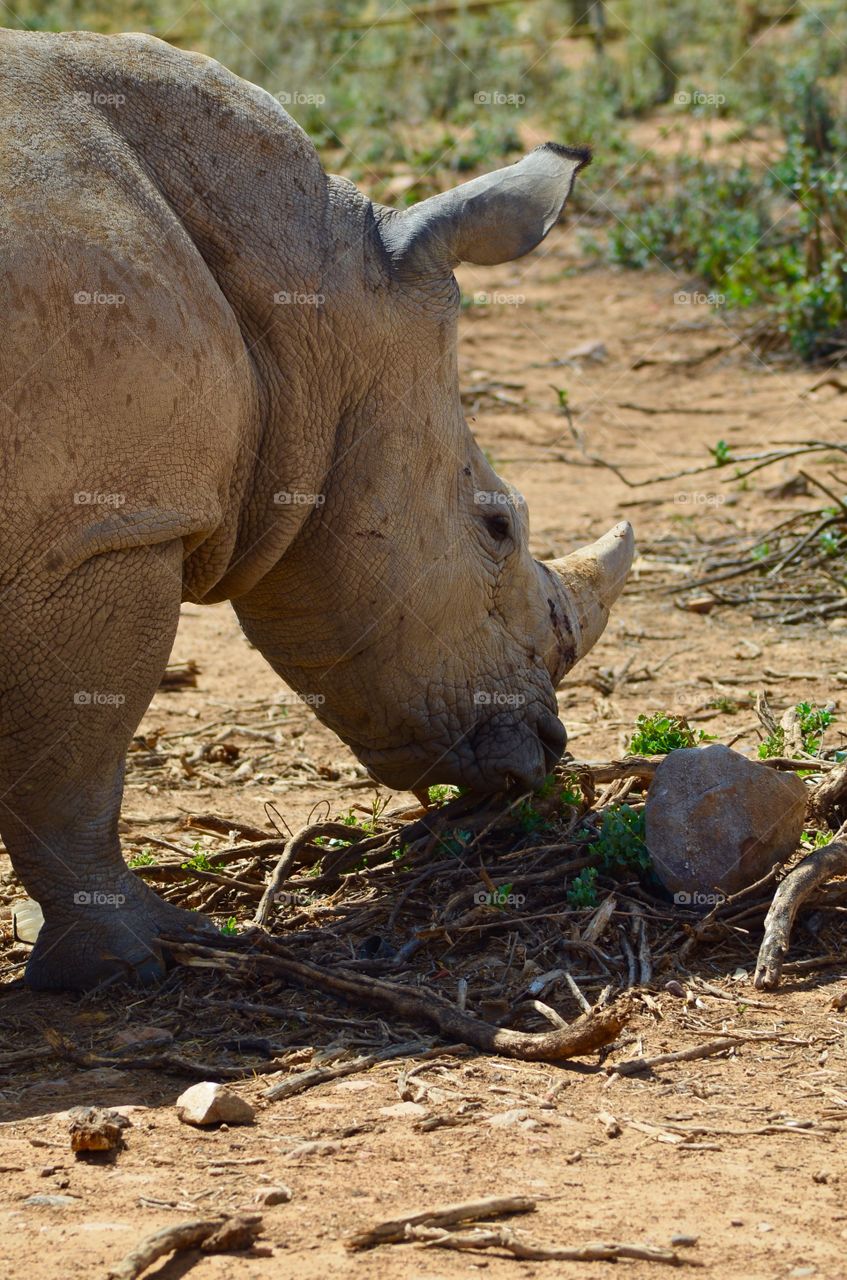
(459, 921)
(792, 572)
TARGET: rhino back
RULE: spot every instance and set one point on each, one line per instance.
(139, 185)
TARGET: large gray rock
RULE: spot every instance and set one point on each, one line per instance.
(717, 822)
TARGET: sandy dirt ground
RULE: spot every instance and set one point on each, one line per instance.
(745, 1152)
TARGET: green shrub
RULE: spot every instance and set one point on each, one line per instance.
(621, 842)
(582, 891)
(813, 722)
(658, 734)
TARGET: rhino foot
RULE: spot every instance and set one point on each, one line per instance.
(108, 938)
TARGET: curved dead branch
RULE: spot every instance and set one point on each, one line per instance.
(584, 1036)
(797, 886)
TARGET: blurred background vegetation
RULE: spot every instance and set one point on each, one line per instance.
(719, 129)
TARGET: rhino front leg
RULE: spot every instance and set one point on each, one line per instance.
(86, 656)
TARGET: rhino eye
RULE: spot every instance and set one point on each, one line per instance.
(499, 526)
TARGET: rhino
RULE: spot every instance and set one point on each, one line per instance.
(230, 376)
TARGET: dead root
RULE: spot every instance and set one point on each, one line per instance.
(393, 1230)
(213, 1235)
(503, 1238)
(797, 886)
(447, 1227)
(258, 951)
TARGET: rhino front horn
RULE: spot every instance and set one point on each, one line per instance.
(591, 580)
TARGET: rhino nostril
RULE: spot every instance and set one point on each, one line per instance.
(553, 738)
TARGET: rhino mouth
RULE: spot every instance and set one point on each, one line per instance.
(493, 755)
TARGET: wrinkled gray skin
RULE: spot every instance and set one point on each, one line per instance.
(151, 437)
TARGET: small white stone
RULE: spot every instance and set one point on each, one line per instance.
(413, 1110)
(52, 1202)
(517, 1118)
(211, 1103)
(278, 1194)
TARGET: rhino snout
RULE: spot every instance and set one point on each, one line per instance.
(553, 738)
(503, 750)
(518, 750)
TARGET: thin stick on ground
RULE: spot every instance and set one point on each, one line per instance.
(306, 835)
(504, 1238)
(828, 794)
(632, 1066)
(645, 959)
(394, 1229)
(303, 1080)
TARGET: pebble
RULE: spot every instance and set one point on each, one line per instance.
(517, 1118)
(52, 1202)
(130, 1037)
(101, 1077)
(97, 1129)
(410, 1109)
(266, 1196)
(212, 1103)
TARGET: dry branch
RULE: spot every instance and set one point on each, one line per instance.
(306, 835)
(394, 1229)
(334, 1071)
(631, 1066)
(212, 1235)
(180, 675)
(789, 897)
(828, 794)
(224, 826)
(642, 767)
(504, 1238)
(587, 1034)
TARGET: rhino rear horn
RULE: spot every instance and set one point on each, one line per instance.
(491, 219)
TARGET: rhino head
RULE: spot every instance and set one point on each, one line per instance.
(409, 611)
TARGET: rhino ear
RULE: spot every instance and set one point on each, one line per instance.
(491, 219)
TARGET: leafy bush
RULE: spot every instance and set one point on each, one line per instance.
(658, 734)
(582, 891)
(622, 839)
(813, 721)
(144, 858)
